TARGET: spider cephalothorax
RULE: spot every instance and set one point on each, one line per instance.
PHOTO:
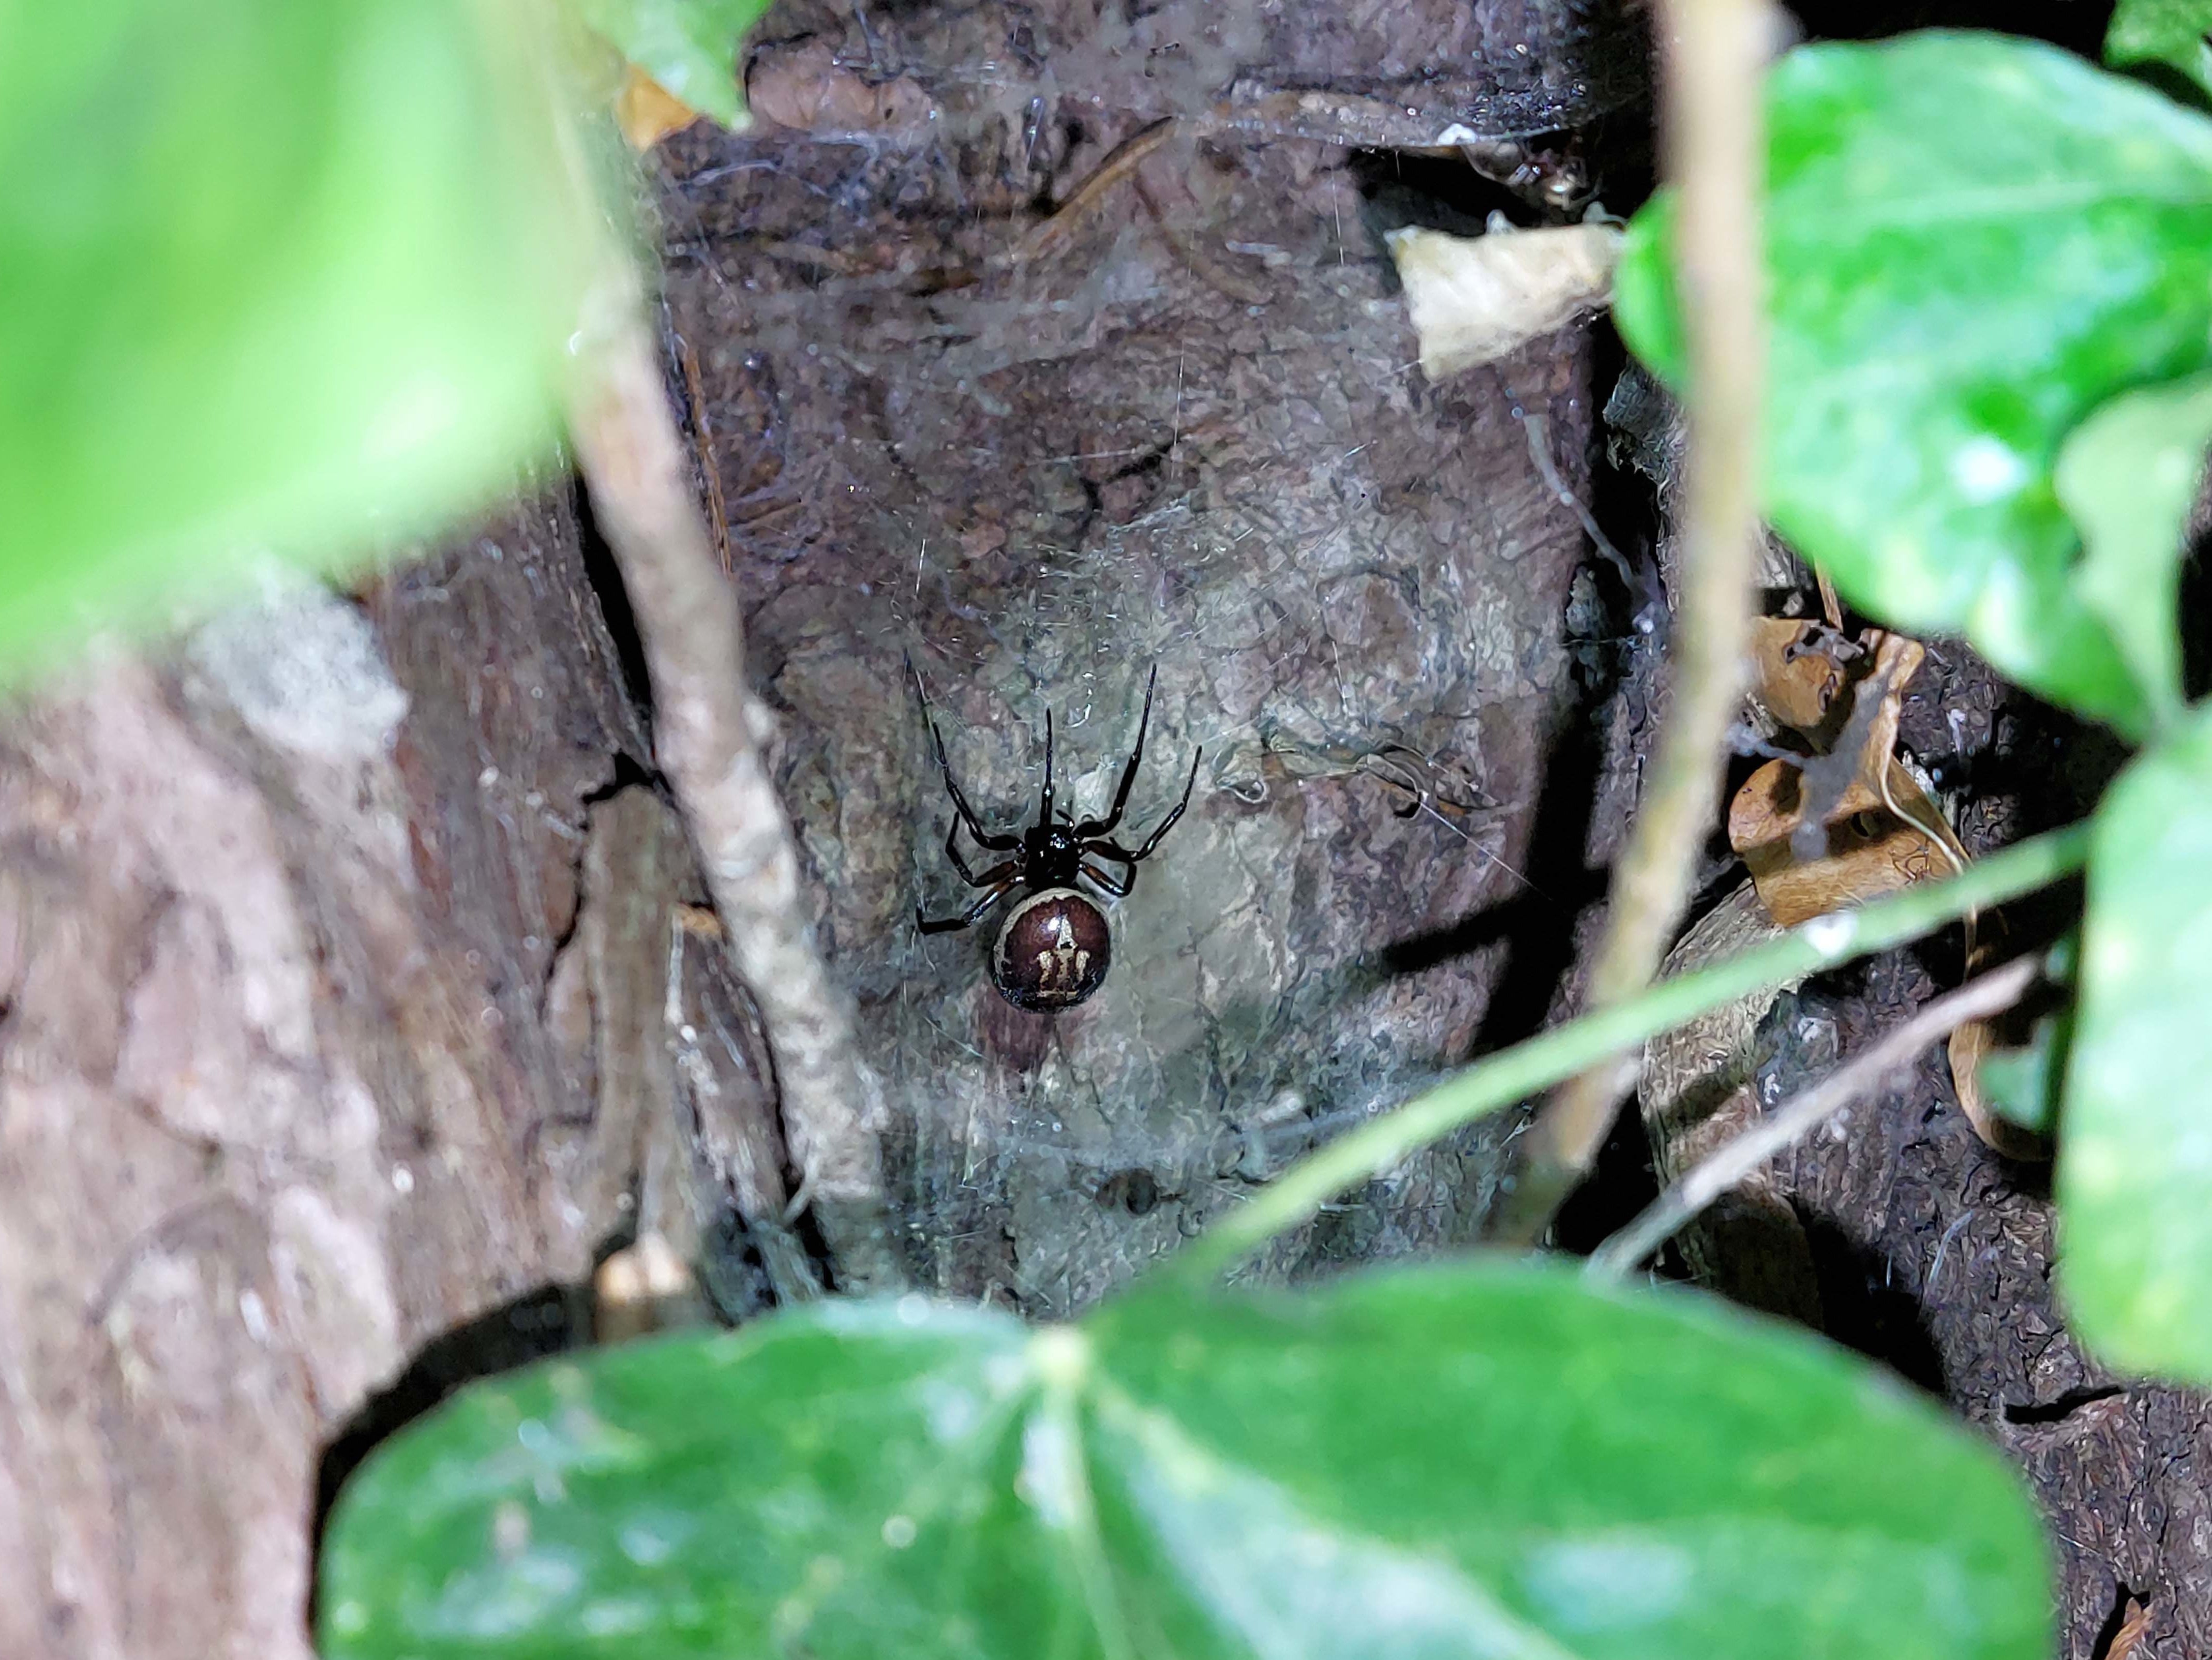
(1053, 947)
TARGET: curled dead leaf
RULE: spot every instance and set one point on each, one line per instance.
(1969, 1045)
(1796, 672)
(1852, 822)
(1867, 849)
(2135, 1625)
(1475, 299)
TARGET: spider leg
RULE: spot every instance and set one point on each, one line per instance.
(1118, 886)
(1004, 871)
(967, 918)
(1106, 826)
(1044, 804)
(1169, 823)
(1099, 848)
(984, 838)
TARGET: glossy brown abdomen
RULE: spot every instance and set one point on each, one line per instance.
(1052, 951)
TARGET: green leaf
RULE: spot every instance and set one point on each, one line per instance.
(2175, 33)
(276, 278)
(2022, 1084)
(1973, 241)
(689, 46)
(2129, 476)
(2134, 1179)
(1492, 1460)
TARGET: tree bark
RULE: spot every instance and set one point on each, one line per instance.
(302, 1067)
(358, 987)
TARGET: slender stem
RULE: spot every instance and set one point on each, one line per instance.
(1805, 1112)
(703, 732)
(708, 728)
(1595, 1039)
(1712, 148)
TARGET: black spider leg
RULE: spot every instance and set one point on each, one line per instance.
(1005, 870)
(1044, 803)
(1107, 825)
(1116, 885)
(1104, 849)
(967, 918)
(983, 838)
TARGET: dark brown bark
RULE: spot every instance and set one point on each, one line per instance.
(304, 1064)
(335, 1028)
(357, 989)
(1183, 428)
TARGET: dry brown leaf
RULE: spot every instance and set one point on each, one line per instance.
(647, 111)
(1858, 750)
(1867, 850)
(2133, 1629)
(1897, 658)
(1844, 828)
(1475, 299)
(1969, 1044)
(1831, 607)
(1792, 674)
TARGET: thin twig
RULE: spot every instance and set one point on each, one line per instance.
(1803, 1113)
(1713, 146)
(703, 442)
(1512, 1075)
(1120, 162)
(703, 731)
(1539, 431)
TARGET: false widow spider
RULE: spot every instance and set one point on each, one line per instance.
(1053, 947)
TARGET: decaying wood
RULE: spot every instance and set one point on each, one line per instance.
(283, 1093)
(1735, 1161)
(1698, 1089)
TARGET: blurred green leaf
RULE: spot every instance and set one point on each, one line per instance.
(2128, 476)
(2025, 1083)
(2022, 1084)
(688, 46)
(1973, 241)
(2135, 1176)
(273, 278)
(2175, 33)
(1489, 1460)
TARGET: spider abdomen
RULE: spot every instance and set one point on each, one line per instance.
(1052, 951)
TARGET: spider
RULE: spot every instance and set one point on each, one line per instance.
(1053, 947)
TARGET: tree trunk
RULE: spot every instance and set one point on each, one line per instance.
(359, 991)
(305, 1062)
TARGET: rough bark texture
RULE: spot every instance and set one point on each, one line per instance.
(306, 1064)
(357, 990)
(1179, 426)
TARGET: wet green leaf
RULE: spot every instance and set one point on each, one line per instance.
(1973, 242)
(2135, 1178)
(2177, 33)
(2128, 476)
(278, 278)
(689, 46)
(1488, 1460)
